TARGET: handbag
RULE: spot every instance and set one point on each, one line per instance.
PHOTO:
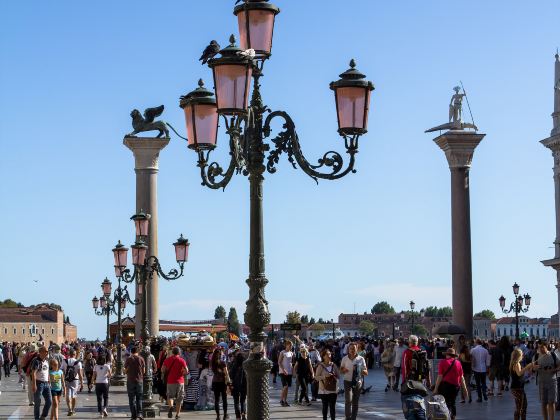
(330, 382)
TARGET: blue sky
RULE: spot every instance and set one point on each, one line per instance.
(70, 72)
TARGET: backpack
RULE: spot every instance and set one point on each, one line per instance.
(30, 359)
(419, 366)
(437, 409)
(71, 374)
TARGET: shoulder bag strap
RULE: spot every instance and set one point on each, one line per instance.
(448, 370)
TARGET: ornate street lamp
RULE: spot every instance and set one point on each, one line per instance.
(144, 268)
(248, 127)
(516, 306)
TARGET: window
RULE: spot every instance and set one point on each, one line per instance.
(23, 331)
(5, 331)
(43, 331)
(52, 331)
(15, 330)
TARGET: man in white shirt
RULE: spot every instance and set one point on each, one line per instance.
(285, 369)
(40, 383)
(480, 365)
(73, 376)
(399, 350)
(354, 368)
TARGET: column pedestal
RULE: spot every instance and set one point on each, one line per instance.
(459, 146)
(146, 156)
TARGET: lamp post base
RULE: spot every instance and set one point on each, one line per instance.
(118, 380)
(257, 370)
(150, 411)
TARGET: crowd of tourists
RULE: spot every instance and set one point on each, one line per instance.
(430, 375)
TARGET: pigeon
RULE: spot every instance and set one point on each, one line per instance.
(210, 51)
(250, 53)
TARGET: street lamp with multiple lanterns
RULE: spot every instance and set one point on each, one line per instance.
(104, 306)
(144, 268)
(243, 113)
(516, 306)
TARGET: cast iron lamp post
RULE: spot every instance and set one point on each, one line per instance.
(105, 304)
(144, 269)
(247, 129)
(516, 306)
(116, 305)
(395, 328)
(412, 315)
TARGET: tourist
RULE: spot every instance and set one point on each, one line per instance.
(100, 377)
(495, 371)
(39, 372)
(315, 358)
(547, 365)
(480, 364)
(327, 375)
(8, 358)
(21, 372)
(449, 380)
(465, 359)
(399, 351)
(174, 370)
(89, 365)
(238, 386)
(220, 381)
(506, 348)
(412, 399)
(135, 369)
(58, 387)
(73, 376)
(285, 371)
(388, 362)
(354, 368)
(304, 374)
(517, 374)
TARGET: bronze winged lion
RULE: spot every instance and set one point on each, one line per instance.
(146, 123)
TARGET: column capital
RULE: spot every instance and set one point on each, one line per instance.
(458, 146)
(146, 151)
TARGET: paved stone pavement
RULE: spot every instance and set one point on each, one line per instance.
(376, 404)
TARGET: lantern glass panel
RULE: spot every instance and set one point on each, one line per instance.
(106, 288)
(502, 301)
(119, 271)
(123, 304)
(353, 107)
(182, 252)
(95, 303)
(120, 255)
(515, 289)
(261, 26)
(103, 302)
(138, 255)
(232, 85)
(202, 124)
(142, 225)
(527, 300)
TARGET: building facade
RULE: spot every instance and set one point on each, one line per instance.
(39, 323)
(532, 327)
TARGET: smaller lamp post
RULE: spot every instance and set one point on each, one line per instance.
(104, 306)
(411, 316)
(516, 306)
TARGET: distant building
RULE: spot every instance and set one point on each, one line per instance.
(484, 328)
(533, 327)
(39, 323)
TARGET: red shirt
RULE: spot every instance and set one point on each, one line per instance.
(455, 373)
(406, 363)
(174, 366)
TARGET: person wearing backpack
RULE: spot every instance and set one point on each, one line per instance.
(327, 375)
(414, 370)
(40, 385)
(353, 367)
(73, 376)
(450, 379)
(547, 366)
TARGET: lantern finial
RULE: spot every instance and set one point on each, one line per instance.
(232, 40)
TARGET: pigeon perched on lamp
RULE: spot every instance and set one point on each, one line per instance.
(210, 51)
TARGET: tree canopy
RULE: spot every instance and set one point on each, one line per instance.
(382, 308)
(220, 312)
(9, 303)
(486, 313)
(293, 317)
(434, 311)
(367, 327)
(419, 330)
(312, 321)
(233, 321)
(305, 319)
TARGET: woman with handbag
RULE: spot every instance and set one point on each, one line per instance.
(304, 374)
(327, 374)
(450, 379)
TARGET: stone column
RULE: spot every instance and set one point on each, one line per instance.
(459, 146)
(146, 155)
(553, 144)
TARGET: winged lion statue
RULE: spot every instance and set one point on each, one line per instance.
(146, 123)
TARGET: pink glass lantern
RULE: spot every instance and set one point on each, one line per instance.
(232, 79)
(106, 287)
(515, 288)
(201, 116)
(352, 95)
(139, 250)
(256, 25)
(141, 223)
(123, 304)
(95, 302)
(103, 302)
(120, 253)
(181, 249)
(527, 299)
(502, 301)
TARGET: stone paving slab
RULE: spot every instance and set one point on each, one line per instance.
(376, 404)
